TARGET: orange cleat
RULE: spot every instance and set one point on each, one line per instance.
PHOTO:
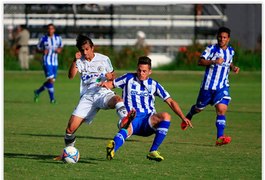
(223, 140)
(126, 121)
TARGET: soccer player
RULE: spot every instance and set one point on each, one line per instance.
(93, 68)
(218, 60)
(50, 45)
(139, 91)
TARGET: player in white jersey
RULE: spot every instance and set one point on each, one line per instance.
(93, 69)
(218, 60)
(139, 91)
(50, 45)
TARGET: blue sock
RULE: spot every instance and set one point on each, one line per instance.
(50, 88)
(220, 125)
(42, 88)
(120, 138)
(191, 113)
(161, 133)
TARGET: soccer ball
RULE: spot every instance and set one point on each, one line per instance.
(70, 155)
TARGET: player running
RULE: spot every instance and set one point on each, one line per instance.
(218, 60)
(93, 68)
(50, 45)
(139, 91)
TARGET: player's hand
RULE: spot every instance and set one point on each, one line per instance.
(46, 51)
(78, 55)
(219, 61)
(236, 69)
(188, 122)
(109, 76)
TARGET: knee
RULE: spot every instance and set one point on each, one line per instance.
(166, 116)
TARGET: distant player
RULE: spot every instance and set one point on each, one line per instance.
(139, 92)
(50, 45)
(218, 60)
(93, 69)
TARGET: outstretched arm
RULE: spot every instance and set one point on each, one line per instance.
(175, 107)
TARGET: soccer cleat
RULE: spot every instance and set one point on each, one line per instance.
(53, 101)
(183, 125)
(110, 150)
(126, 121)
(223, 140)
(36, 96)
(155, 155)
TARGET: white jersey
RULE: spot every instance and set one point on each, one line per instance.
(92, 72)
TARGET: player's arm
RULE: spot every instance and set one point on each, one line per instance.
(175, 107)
(73, 69)
(110, 76)
(107, 84)
(204, 62)
(234, 68)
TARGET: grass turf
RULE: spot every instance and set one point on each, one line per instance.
(33, 133)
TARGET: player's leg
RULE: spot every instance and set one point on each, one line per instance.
(73, 124)
(116, 143)
(48, 84)
(203, 100)
(221, 99)
(161, 122)
(221, 109)
(115, 101)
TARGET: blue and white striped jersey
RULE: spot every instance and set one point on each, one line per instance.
(50, 43)
(140, 95)
(216, 76)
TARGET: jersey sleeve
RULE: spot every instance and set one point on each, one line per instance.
(161, 92)
(120, 82)
(109, 67)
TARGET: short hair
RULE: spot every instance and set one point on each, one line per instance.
(51, 24)
(144, 60)
(82, 39)
(224, 29)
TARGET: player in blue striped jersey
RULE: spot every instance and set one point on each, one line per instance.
(139, 92)
(218, 60)
(50, 45)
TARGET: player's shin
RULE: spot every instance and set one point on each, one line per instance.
(161, 133)
(120, 138)
(220, 125)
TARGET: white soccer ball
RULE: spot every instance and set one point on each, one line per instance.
(70, 155)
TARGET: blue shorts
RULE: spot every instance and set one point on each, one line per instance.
(141, 126)
(50, 71)
(213, 97)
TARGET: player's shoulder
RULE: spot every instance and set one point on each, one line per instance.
(101, 56)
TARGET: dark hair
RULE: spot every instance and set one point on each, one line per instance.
(224, 29)
(81, 40)
(144, 60)
(50, 25)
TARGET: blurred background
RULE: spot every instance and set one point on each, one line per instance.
(172, 35)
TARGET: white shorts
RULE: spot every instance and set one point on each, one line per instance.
(89, 105)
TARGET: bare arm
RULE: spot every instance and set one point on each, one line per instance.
(73, 69)
(204, 62)
(175, 107)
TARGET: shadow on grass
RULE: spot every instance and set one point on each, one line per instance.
(48, 158)
(85, 137)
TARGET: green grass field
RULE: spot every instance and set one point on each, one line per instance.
(33, 133)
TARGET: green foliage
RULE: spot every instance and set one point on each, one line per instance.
(34, 133)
